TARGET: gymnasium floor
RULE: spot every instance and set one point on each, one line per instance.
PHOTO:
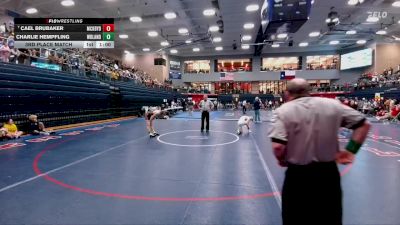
(115, 174)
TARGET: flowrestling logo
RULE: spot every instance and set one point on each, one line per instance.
(11, 145)
(43, 139)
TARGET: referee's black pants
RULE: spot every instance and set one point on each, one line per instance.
(205, 115)
(312, 195)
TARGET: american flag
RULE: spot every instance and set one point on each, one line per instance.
(226, 77)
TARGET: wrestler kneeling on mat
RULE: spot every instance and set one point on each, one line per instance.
(244, 121)
(151, 115)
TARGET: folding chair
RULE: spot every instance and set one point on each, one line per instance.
(396, 118)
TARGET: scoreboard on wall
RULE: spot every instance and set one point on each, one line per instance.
(64, 33)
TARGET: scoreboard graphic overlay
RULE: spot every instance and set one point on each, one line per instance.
(64, 33)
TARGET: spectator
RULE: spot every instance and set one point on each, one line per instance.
(4, 52)
(11, 130)
(36, 128)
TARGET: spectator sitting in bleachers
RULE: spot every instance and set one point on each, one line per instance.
(11, 130)
(37, 128)
(4, 51)
(394, 113)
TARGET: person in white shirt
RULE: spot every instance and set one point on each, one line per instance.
(150, 116)
(244, 121)
(205, 106)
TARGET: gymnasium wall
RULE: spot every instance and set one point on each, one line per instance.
(387, 55)
(146, 63)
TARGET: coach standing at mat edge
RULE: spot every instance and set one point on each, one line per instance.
(205, 106)
(304, 139)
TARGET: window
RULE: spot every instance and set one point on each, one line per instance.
(281, 63)
(233, 65)
(322, 62)
(272, 87)
(232, 88)
(197, 66)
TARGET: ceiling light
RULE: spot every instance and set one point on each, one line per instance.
(372, 19)
(351, 32)
(252, 8)
(196, 49)
(396, 4)
(188, 41)
(146, 49)
(213, 28)
(217, 39)
(123, 36)
(135, 19)
(352, 2)
(334, 42)
(68, 3)
(170, 15)
(31, 10)
(209, 12)
(398, 22)
(314, 34)
(164, 43)
(303, 44)
(282, 36)
(127, 52)
(152, 33)
(219, 48)
(275, 45)
(361, 42)
(381, 32)
(173, 51)
(246, 38)
(183, 31)
(245, 46)
(248, 26)
(312, 2)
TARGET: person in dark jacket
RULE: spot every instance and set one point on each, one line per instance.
(257, 106)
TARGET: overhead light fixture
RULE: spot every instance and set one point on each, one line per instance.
(352, 2)
(252, 8)
(173, 51)
(123, 36)
(209, 12)
(153, 33)
(246, 38)
(361, 42)
(31, 10)
(396, 4)
(164, 43)
(314, 34)
(350, 32)
(303, 44)
(312, 2)
(67, 3)
(275, 45)
(219, 48)
(213, 29)
(372, 19)
(170, 15)
(248, 26)
(217, 39)
(126, 52)
(334, 42)
(398, 22)
(146, 49)
(245, 46)
(282, 36)
(381, 32)
(135, 19)
(188, 41)
(183, 31)
(196, 49)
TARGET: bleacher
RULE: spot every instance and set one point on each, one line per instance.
(60, 98)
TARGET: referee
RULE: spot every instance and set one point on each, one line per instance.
(304, 139)
(206, 106)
